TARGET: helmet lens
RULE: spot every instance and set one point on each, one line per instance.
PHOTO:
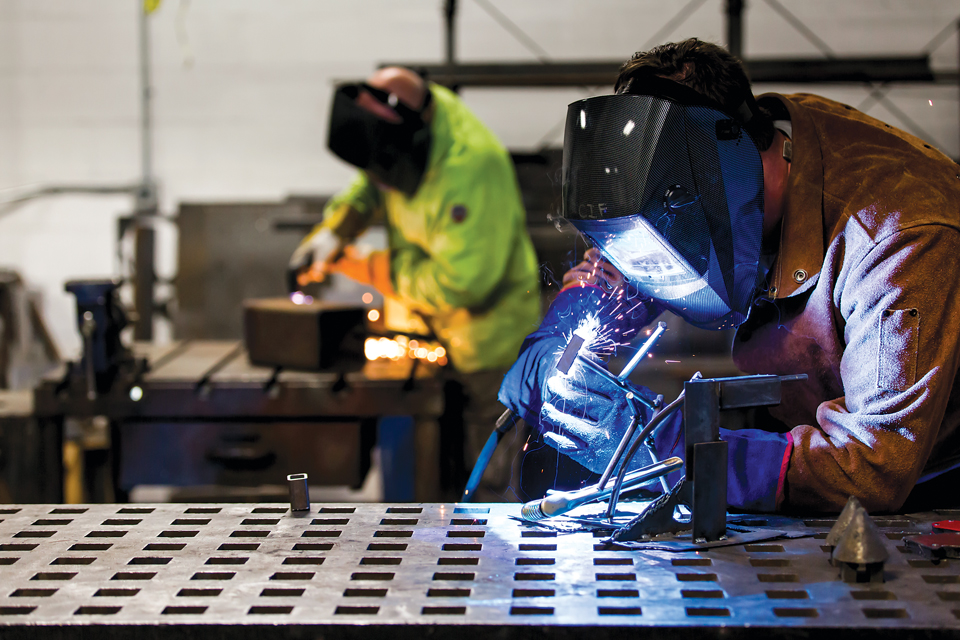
(672, 194)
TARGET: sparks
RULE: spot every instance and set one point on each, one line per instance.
(588, 329)
(596, 339)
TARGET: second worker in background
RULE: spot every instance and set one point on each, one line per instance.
(459, 255)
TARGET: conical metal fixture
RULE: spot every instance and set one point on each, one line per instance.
(861, 550)
(862, 542)
(843, 521)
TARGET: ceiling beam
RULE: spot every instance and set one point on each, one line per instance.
(604, 73)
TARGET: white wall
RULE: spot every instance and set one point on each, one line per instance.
(242, 86)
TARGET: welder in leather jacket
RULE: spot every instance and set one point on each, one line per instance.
(828, 238)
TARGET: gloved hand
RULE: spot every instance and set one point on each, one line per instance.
(371, 269)
(311, 260)
(756, 463)
(581, 413)
(585, 415)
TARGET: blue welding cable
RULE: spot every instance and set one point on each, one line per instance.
(505, 422)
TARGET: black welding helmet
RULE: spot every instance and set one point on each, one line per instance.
(394, 153)
(669, 187)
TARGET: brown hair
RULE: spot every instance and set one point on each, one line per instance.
(706, 68)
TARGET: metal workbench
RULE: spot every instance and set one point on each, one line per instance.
(196, 387)
(435, 570)
(214, 379)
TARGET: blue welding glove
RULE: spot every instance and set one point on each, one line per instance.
(581, 413)
(585, 414)
(756, 462)
(756, 468)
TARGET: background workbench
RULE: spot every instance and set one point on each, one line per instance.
(440, 570)
(200, 413)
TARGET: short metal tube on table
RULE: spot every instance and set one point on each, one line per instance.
(299, 492)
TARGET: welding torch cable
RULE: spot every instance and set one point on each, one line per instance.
(507, 421)
(655, 421)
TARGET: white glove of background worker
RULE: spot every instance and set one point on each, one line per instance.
(312, 259)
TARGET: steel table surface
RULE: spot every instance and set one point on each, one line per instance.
(447, 570)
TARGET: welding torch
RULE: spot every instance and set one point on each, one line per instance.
(560, 502)
(508, 419)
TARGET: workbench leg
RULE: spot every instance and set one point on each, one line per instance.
(37, 461)
(427, 487)
(398, 457)
(116, 447)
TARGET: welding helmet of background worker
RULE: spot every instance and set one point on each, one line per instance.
(385, 134)
(668, 185)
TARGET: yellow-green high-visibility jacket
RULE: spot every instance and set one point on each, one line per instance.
(460, 255)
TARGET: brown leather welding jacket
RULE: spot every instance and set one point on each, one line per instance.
(864, 298)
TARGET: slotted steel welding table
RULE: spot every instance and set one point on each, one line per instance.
(435, 570)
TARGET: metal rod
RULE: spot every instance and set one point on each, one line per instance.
(652, 450)
(144, 278)
(88, 328)
(590, 364)
(146, 124)
(146, 197)
(647, 430)
(907, 69)
(627, 370)
(561, 502)
(450, 15)
(513, 29)
(735, 27)
(624, 441)
(802, 29)
(674, 23)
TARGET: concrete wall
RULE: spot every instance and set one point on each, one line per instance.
(242, 88)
